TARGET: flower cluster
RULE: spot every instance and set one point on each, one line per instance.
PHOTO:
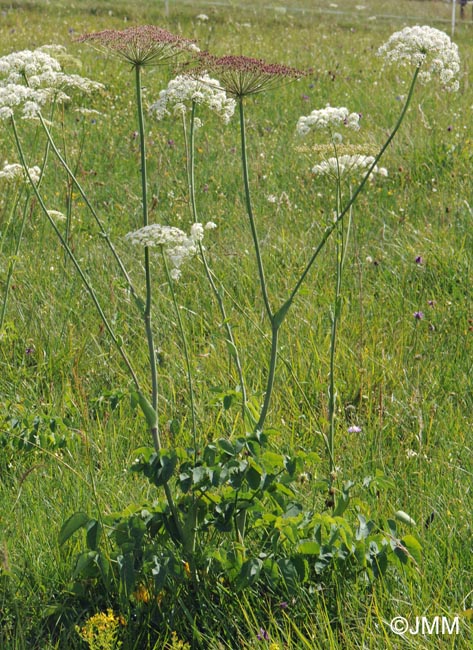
(185, 89)
(428, 49)
(140, 46)
(15, 172)
(31, 78)
(328, 118)
(347, 165)
(176, 244)
(101, 631)
(242, 75)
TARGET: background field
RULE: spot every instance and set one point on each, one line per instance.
(405, 382)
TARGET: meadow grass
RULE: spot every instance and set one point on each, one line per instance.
(404, 381)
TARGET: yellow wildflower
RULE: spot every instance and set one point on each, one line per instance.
(142, 594)
(100, 631)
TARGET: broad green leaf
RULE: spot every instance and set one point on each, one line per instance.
(308, 548)
(160, 573)
(413, 546)
(227, 446)
(86, 566)
(250, 572)
(94, 532)
(69, 527)
(253, 476)
(272, 460)
(289, 571)
(127, 572)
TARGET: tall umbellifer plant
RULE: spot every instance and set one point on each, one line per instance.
(229, 486)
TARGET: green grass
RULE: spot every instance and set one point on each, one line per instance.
(405, 382)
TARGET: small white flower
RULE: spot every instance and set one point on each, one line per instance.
(14, 172)
(56, 215)
(347, 165)
(88, 112)
(197, 232)
(202, 18)
(210, 225)
(176, 244)
(157, 235)
(29, 79)
(183, 90)
(328, 118)
(428, 49)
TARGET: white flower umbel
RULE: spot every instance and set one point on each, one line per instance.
(329, 118)
(428, 49)
(347, 166)
(56, 215)
(157, 235)
(30, 78)
(176, 244)
(177, 98)
(15, 172)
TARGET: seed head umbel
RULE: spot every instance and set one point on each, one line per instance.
(241, 75)
(140, 46)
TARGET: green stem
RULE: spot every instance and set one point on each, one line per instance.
(81, 191)
(118, 344)
(12, 263)
(271, 375)
(353, 198)
(186, 350)
(249, 210)
(144, 198)
(147, 309)
(11, 266)
(339, 258)
(90, 207)
(190, 156)
(274, 319)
